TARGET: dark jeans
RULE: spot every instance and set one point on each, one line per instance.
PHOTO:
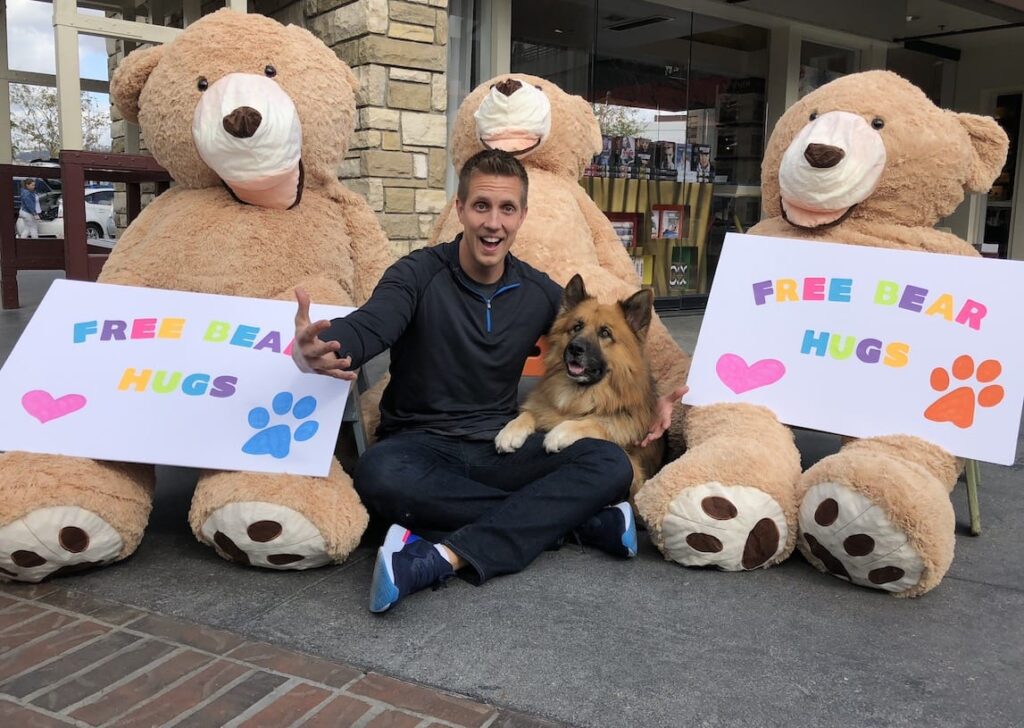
(498, 511)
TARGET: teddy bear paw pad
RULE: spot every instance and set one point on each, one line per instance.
(55, 541)
(732, 527)
(850, 537)
(265, 534)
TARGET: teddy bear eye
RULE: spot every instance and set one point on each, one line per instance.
(202, 84)
(270, 71)
(877, 123)
(814, 115)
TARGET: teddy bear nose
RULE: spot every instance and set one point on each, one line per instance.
(823, 156)
(509, 86)
(242, 122)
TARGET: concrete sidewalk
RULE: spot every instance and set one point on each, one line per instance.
(589, 640)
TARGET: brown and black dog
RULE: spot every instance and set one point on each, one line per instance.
(596, 381)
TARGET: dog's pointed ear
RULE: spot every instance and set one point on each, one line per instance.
(638, 309)
(574, 294)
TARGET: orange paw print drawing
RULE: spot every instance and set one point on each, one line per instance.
(958, 406)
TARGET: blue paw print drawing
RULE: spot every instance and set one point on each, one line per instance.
(277, 440)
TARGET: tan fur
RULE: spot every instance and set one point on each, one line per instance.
(196, 237)
(619, 408)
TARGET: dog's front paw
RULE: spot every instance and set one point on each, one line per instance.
(512, 436)
(561, 437)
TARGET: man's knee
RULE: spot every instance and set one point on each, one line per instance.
(609, 462)
(377, 476)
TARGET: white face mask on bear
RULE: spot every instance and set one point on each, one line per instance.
(513, 117)
(835, 162)
(247, 130)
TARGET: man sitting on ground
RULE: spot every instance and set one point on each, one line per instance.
(460, 320)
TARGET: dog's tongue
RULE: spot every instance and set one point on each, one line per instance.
(576, 369)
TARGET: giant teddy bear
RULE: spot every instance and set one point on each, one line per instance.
(251, 118)
(866, 160)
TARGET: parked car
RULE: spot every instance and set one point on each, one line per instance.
(99, 215)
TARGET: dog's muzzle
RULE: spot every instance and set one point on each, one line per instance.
(584, 363)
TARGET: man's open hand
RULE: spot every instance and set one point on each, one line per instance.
(663, 414)
(310, 353)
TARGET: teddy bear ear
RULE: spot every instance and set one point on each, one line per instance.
(130, 77)
(989, 145)
(590, 126)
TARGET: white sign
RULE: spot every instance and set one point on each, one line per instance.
(165, 377)
(865, 341)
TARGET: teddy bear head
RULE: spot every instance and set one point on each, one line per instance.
(541, 124)
(242, 100)
(871, 147)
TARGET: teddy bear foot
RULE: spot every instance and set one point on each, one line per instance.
(877, 514)
(835, 523)
(265, 534)
(278, 521)
(731, 527)
(55, 541)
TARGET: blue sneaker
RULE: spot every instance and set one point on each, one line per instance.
(405, 564)
(613, 530)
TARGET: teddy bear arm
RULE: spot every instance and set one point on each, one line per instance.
(447, 225)
(320, 290)
(134, 255)
(371, 250)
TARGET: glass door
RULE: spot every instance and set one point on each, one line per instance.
(997, 234)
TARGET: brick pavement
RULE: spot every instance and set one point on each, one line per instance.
(68, 658)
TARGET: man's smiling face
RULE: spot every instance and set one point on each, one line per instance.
(491, 216)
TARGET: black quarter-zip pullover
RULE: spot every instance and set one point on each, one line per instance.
(456, 353)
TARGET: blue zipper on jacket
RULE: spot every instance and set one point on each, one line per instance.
(494, 295)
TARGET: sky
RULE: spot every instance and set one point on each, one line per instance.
(30, 44)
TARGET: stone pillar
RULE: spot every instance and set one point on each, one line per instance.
(397, 158)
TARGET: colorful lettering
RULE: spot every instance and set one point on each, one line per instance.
(762, 289)
(839, 290)
(943, 306)
(83, 329)
(913, 298)
(131, 378)
(195, 384)
(971, 314)
(817, 342)
(897, 355)
(113, 330)
(271, 341)
(223, 386)
(171, 328)
(814, 289)
(786, 290)
(244, 336)
(886, 293)
(217, 331)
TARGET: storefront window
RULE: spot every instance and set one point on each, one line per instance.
(998, 213)
(820, 64)
(681, 102)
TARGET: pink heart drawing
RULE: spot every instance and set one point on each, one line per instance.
(40, 404)
(740, 377)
